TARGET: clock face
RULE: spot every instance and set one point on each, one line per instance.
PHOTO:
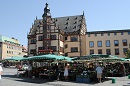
(48, 14)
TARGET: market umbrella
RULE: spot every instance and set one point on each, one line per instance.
(94, 56)
(46, 57)
(15, 58)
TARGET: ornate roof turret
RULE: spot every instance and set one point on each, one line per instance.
(46, 11)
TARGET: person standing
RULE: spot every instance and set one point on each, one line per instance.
(99, 70)
(57, 71)
(1, 70)
(29, 70)
(66, 73)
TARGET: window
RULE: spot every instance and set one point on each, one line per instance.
(40, 38)
(48, 36)
(66, 45)
(102, 34)
(125, 50)
(44, 37)
(53, 48)
(88, 34)
(124, 41)
(107, 43)
(116, 43)
(116, 51)
(40, 48)
(108, 51)
(74, 49)
(61, 49)
(66, 54)
(91, 44)
(53, 37)
(129, 33)
(48, 27)
(108, 34)
(91, 52)
(99, 51)
(65, 38)
(32, 51)
(99, 43)
(33, 41)
(44, 27)
(45, 47)
(122, 33)
(115, 33)
(74, 39)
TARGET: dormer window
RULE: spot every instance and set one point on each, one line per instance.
(66, 23)
(75, 18)
(75, 22)
(56, 19)
(67, 18)
(74, 27)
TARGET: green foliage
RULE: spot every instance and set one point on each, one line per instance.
(127, 54)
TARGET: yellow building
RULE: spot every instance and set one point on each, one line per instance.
(113, 42)
(9, 47)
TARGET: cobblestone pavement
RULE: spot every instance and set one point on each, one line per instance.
(9, 78)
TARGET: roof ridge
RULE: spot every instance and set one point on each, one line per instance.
(68, 16)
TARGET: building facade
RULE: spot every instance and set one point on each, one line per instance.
(9, 47)
(24, 51)
(114, 42)
(61, 36)
(68, 36)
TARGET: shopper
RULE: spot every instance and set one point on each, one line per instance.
(66, 72)
(99, 70)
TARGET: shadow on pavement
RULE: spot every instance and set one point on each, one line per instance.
(9, 76)
(26, 79)
(40, 81)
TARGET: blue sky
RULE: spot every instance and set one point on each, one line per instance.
(17, 16)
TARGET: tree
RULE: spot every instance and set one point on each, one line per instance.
(127, 54)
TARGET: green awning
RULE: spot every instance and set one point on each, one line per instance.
(47, 57)
(50, 57)
(15, 58)
(94, 56)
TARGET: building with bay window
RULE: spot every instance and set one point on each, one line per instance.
(61, 35)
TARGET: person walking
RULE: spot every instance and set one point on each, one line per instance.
(99, 70)
(1, 70)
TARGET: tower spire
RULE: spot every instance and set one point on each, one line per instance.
(46, 10)
(83, 12)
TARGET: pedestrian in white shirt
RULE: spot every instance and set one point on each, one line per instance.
(1, 70)
(99, 70)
